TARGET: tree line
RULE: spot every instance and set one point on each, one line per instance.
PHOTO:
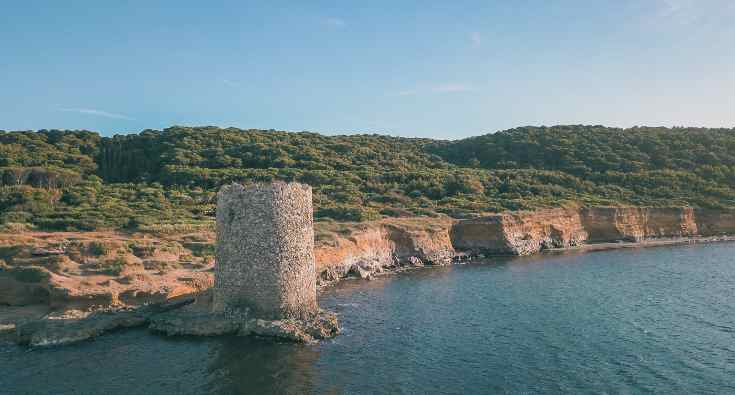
(56, 179)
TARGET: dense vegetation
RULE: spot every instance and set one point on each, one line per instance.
(78, 180)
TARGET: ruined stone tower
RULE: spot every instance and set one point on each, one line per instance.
(265, 251)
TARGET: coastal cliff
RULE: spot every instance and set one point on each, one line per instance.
(365, 249)
(73, 274)
(715, 222)
(606, 224)
(524, 233)
(521, 233)
(86, 271)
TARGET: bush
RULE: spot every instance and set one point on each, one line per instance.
(101, 248)
(349, 214)
(29, 274)
(113, 267)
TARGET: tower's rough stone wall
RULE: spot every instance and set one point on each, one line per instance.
(265, 251)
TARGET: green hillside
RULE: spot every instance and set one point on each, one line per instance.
(66, 180)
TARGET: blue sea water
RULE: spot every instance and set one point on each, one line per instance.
(625, 321)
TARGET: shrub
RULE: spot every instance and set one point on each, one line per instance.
(29, 274)
(113, 267)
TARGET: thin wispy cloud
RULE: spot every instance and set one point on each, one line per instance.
(231, 83)
(98, 113)
(694, 13)
(677, 11)
(336, 23)
(475, 39)
(449, 87)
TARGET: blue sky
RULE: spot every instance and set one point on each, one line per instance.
(444, 69)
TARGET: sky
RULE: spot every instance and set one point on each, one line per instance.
(439, 69)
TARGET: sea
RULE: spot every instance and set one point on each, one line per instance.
(650, 320)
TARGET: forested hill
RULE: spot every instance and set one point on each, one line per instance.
(78, 180)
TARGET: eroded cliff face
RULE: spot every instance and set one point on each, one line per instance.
(521, 233)
(671, 222)
(613, 223)
(372, 248)
(362, 252)
(715, 222)
(606, 224)
(96, 270)
(525, 233)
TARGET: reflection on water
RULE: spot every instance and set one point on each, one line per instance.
(238, 364)
(628, 321)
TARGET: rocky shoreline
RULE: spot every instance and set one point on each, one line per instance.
(58, 290)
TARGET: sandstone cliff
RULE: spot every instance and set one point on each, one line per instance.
(364, 249)
(83, 271)
(95, 270)
(715, 222)
(634, 224)
(524, 233)
(520, 233)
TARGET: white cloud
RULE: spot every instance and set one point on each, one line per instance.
(476, 39)
(99, 113)
(337, 23)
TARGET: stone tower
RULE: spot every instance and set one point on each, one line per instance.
(265, 251)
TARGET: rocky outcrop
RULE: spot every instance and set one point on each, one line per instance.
(90, 271)
(54, 330)
(521, 233)
(197, 321)
(188, 315)
(200, 319)
(85, 271)
(366, 249)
